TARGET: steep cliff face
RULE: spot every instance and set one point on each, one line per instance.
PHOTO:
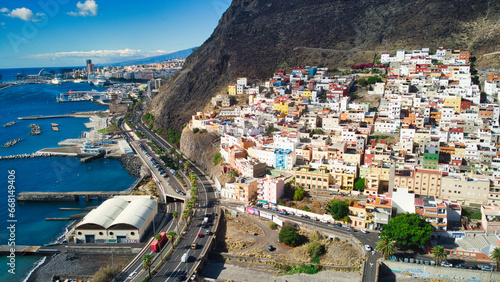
(200, 147)
(254, 37)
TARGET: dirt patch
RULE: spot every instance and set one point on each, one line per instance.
(241, 242)
(241, 232)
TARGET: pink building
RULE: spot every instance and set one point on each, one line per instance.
(270, 189)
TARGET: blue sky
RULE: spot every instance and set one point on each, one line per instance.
(54, 33)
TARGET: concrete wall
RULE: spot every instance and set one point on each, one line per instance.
(401, 269)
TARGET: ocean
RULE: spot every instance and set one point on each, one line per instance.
(45, 174)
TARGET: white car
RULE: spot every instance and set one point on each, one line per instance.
(132, 275)
(368, 248)
(364, 230)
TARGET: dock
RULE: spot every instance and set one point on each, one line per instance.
(67, 196)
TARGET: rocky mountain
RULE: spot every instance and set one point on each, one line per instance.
(254, 38)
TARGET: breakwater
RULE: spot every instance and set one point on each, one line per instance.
(10, 123)
(132, 164)
(35, 129)
(12, 143)
(26, 156)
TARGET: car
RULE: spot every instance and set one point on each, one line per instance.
(446, 264)
(460, 265)
(259, 205)
(337, 224)
(306, 216)
(270, 248)
(364, 231)
(486, 268)
(347, 226)
(207, 232)
(473, 267)
(283, 212)
(274, 209)
(199, 235)
(324, 220)
(177, 190)
(368, 248)
(131, 275)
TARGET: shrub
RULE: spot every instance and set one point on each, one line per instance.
(273, 226)
(289, 236)
(195, 130)
(315, 249)
(217, 158)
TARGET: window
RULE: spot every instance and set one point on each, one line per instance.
(132, 233)
(100, 233)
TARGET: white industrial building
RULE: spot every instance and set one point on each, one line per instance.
(122, 219)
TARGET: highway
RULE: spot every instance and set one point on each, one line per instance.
(173, 268)
(136, 266)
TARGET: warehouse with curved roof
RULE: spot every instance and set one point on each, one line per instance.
(122, 219)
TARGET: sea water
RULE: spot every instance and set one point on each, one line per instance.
(46, 174)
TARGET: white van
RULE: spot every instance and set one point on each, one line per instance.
(185, 257)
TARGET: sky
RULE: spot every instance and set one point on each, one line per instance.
(58, 33)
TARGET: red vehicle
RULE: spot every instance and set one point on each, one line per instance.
(156, 245)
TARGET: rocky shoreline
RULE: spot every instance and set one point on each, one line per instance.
(26, 156)
(35, 129)
(12, 143)
(132, 165)
(10, 123)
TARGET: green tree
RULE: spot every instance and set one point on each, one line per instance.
(495, 256)
(158, 237)
(362, 82)
(299, 194)
(171, 151)
(233, 173)
(171, 237)
(408, 230)
(438, 253)
(346, 219)
(187, 165)
(147, 261)
(289, 236)
(175, 215)
(270, 129)
(288, 191)
(338, 209)
(217, 158)
(385, 247)
(360, 184)
(273, 226)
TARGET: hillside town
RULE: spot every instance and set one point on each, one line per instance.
(413, 134)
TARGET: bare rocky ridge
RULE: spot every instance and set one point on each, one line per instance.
(253, 38)
(200, 147)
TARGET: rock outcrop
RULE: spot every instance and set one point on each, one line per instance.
(201, 148)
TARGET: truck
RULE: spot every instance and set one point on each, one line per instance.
(157, 244)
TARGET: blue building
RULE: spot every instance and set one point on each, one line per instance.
(281, 158)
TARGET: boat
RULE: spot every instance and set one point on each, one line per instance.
(98, 80)
(78, 80)
(56, 81)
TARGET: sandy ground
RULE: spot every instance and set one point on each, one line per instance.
(230, 272)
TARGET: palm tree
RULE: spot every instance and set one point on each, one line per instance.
(177, 158)
(385, 247)
(171, 237)
(147, 261)
(171, 151)
(187, 165)
(175, 214)
(438, 253)
(495, 255)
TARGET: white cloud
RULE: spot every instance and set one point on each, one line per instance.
(87, 8)
(24, 14)
(105, 54)
(4, 10)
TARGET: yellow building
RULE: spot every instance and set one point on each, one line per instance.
(231, 89)
(311, 178)
(307, 93)
(453, 102)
